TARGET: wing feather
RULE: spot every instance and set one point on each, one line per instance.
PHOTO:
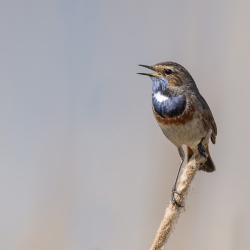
(208, 119)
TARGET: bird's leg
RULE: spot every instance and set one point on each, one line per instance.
(174, 191)
(201, 149)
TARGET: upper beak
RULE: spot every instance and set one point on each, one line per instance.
(147, 74)
(145, 66)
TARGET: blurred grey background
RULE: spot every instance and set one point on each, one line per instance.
(83, 163)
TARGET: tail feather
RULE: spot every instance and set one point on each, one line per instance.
(208, 165)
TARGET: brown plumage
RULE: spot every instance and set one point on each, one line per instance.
(181, 112)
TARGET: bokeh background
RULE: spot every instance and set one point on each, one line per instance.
(83, 164)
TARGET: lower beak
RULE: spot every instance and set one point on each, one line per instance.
(152, 75)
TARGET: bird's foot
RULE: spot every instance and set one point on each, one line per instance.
(201, 149)
(173, 200)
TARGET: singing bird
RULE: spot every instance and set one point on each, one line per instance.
(181, 112)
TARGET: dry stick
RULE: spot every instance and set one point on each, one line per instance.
(173, 211)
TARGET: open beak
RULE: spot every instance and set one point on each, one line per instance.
(147, 74)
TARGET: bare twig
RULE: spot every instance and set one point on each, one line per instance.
(173, 211)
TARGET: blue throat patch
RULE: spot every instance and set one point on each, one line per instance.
(159, 84)
(173, 105)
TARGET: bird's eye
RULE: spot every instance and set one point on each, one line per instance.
(168, 71)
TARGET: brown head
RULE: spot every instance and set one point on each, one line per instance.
(175, 74)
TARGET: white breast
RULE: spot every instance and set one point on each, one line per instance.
(160, 97)
(189, 134)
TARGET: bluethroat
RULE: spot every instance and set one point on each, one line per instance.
(181, 112)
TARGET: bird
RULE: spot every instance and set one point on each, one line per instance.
(181, 112)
